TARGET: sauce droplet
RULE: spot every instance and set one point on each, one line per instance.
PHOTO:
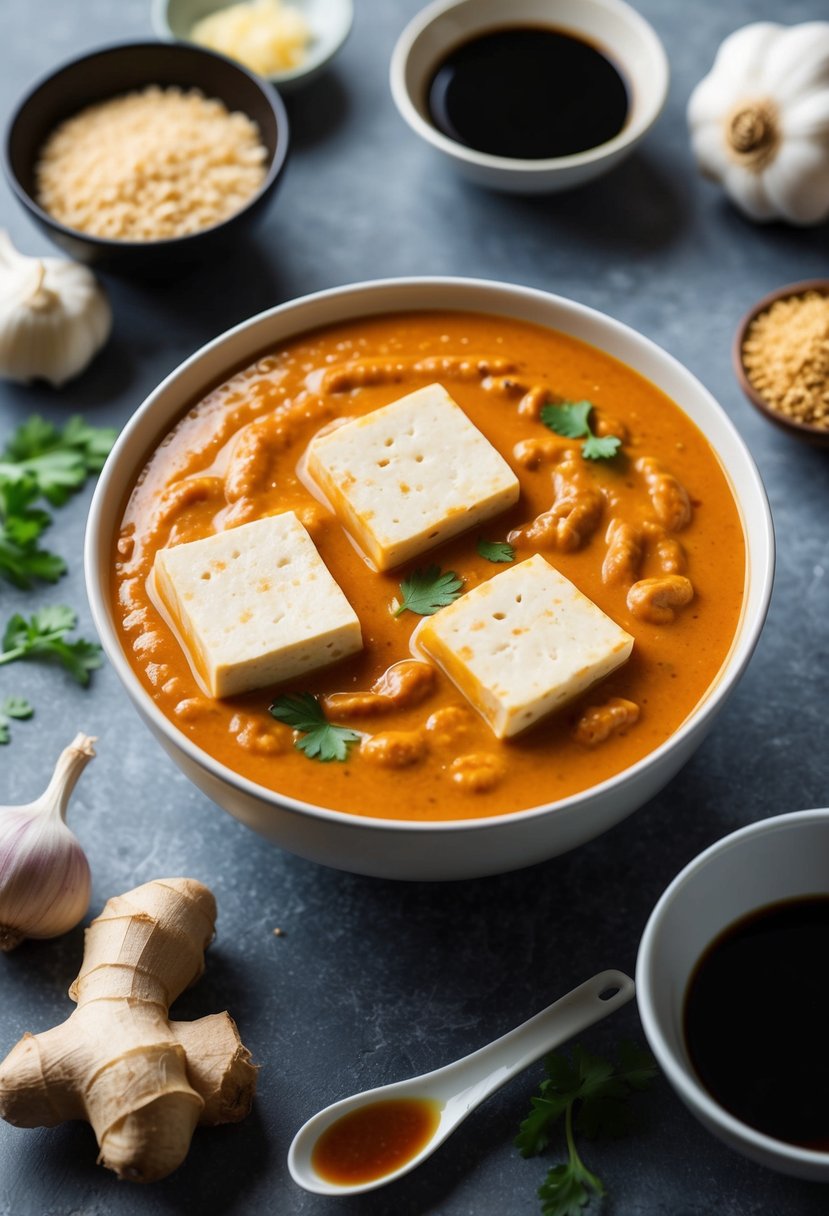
(375, 1140)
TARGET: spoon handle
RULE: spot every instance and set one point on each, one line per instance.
(492, 1066)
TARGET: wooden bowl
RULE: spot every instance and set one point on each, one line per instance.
(817, 436)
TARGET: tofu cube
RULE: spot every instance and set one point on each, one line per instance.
(522, 644)
(410, 475)
(255, 605)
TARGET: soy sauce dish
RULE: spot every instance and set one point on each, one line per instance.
(732, 990)
(534, 97)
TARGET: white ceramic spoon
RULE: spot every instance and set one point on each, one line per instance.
(459, 1087)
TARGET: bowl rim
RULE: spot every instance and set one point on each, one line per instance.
(630, 133)
(97, 581)
(804, 430)
(308, 68)
(682, 1078)
(112, 244)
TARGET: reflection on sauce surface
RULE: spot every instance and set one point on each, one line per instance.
(755, 1021)
(375, 1140)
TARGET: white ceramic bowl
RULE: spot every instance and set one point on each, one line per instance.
(330, 23)
(775, 859)
(417, 850)
(611, 25)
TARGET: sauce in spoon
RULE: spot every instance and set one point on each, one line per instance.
(375, 1140)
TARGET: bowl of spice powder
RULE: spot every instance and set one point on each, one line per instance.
(781, 357)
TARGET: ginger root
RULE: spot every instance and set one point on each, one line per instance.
(143, 1082)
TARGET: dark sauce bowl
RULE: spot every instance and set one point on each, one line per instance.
(113, 71)
(610, 26)
(816, 436)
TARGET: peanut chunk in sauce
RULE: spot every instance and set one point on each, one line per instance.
(656, 600)
(394, 748)
(574, 516)
(477, 772)
(404, 684)
(598, 722)
(668, 495)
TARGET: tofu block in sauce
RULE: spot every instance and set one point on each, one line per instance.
(522, 644)
(410, 475)
(255, 605)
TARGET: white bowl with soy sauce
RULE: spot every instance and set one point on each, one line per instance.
(733, 990)
(530, 96)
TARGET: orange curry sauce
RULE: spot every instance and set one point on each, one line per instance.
(233, 458)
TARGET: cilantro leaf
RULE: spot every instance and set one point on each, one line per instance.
(565, 1192)
(43, 636)
(320, 740)
(571, 419)
(12, 707)
(495, 550)
(58, 460)
(590, 1093)
(600, 447)
(425, 591)
(21, 525)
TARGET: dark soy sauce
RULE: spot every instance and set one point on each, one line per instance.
(756, 1021)
(528, 93)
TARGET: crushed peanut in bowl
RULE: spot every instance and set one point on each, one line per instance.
(151, 165)
(785, 357)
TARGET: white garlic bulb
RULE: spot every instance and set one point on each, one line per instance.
(759, 121)
(44, 874)
(53, 317)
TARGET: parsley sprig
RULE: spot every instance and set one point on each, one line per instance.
(12, 707)
(319, 738)
(495, 550)
(591, 1094)
(426, 591)
(572, 420)
(42, 460)
(43, 636)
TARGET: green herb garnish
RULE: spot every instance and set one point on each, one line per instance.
(425, 591)
(572, 420)
(12, 707)
(43, 636)
(591, 1094)
(320, 740)
(58, 460)
(21, 525)
(42, 461)
(495, 550)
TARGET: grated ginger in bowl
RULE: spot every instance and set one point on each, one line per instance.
(266, 36)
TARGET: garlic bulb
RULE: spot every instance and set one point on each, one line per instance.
(44, 874)
(759, 121)
(53, 317)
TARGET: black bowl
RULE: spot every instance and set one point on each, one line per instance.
(119, 69)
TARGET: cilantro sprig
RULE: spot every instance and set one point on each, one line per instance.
(591, 1094)
(572, 420)
(12, 707)
(319, 739)
(495, 550)
(42, 460)
(426, 591)
(43, 636)
(57, 459)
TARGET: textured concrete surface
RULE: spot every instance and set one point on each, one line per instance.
(373, 980)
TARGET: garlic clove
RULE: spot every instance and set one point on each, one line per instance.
(44, 874)
(54, 317)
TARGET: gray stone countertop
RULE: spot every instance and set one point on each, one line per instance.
(374, 980)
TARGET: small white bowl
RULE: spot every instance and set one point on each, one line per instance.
(767, 862)
(330, 22)
(411, 849)
(611, 25)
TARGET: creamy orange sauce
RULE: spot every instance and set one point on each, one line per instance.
(670, 570)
